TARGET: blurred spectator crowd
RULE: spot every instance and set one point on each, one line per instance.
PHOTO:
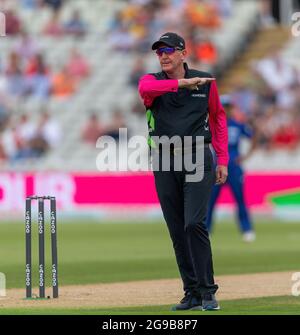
(75, 25)
(21, 138)
(94, 127)
(269, 100)
(26, 74)
(134, 27)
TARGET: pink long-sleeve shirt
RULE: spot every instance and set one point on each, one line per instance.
(151, 88)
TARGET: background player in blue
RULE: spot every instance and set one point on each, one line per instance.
(235, 180)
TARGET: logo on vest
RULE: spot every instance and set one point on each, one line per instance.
(198, 95)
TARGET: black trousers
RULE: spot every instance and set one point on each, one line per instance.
(184, 206)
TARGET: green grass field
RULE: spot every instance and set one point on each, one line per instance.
(98, 253)
(259, 306)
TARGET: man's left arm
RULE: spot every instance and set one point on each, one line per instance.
(219, 131)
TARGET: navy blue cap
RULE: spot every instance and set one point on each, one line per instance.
(171, 40)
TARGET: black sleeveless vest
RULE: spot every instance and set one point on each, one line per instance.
(181, 113)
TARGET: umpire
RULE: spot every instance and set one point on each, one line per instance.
(185, 102)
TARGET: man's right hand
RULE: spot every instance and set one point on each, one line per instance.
(193, 83)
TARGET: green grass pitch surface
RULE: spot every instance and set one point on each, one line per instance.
(113, 252)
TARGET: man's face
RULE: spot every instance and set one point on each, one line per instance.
(170, 58)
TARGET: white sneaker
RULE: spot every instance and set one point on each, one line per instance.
(249, 236)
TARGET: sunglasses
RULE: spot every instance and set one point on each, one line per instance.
(166, 50)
